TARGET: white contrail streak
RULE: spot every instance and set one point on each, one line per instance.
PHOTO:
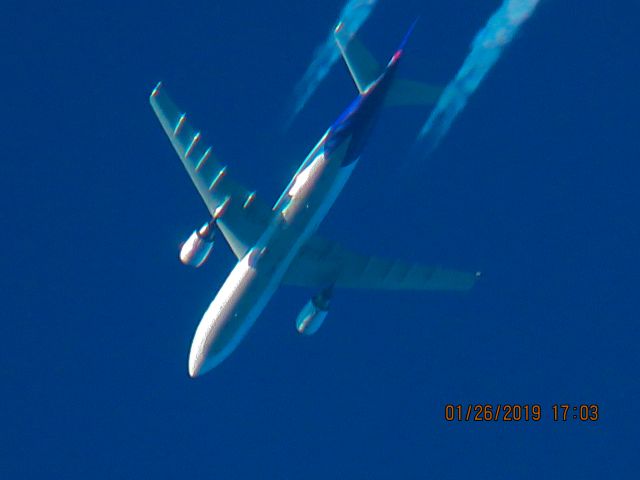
(486, 49)
(352, 16)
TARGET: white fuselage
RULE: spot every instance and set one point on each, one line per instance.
(255, 278)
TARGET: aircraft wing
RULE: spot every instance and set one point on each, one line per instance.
(245, 217)
(322, 262)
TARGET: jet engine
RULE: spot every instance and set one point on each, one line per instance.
(196, 249)
(314, 312)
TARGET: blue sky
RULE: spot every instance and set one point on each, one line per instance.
(535, 185)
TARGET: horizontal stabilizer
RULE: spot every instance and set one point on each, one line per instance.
(364, 68)
(408, 93)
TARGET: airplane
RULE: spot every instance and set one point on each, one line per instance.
(279, 245)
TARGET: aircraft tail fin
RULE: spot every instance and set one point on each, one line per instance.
(365, 70)
(409, 92)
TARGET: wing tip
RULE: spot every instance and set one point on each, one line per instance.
(473, 279)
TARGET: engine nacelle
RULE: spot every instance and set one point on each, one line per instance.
(312, 315)
(196, 249)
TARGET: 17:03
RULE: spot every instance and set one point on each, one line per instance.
(584, 413)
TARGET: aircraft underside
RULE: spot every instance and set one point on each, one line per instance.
(279, 245)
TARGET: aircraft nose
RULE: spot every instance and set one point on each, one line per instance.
(194, 364)
(197, 356)
(201, 360)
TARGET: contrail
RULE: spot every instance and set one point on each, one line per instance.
(352, 16)
(486, 49)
